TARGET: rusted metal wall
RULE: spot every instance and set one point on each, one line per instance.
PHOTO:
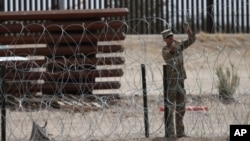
(67, 58)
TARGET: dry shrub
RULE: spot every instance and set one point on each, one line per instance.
(228, 82)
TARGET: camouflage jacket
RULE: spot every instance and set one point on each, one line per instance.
(175, 68)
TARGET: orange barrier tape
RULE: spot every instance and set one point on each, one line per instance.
(191, 108)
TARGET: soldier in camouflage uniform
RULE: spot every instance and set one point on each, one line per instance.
(173, 56)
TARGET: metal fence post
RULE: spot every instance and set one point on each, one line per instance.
(3, 104)
(210, 15)
(1, 5)
(166, 110)
(55, 4)
(145, 105)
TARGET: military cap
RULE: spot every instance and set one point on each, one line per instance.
(167, 33)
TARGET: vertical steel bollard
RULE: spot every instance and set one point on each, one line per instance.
(145, 105)
(166, 110)
(3, 106)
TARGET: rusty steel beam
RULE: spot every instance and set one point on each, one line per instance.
(88, 61)
(60, 38)
(23, 64)
(57, 87)
(68, 75)
(61, 50)
(62, 62)
(63, 15)
(60, 27)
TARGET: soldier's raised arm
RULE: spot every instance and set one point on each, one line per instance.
(191, 36)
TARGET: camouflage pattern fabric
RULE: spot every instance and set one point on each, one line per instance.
(176, 93)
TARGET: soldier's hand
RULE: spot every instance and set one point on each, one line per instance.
(187, 28)
(189, 31)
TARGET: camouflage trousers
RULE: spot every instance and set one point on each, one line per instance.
(176, 102)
